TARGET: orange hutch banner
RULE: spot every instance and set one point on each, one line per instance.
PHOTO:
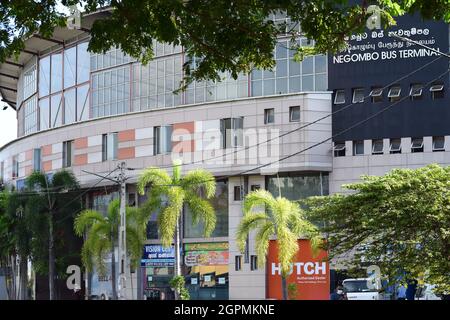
(311, 274)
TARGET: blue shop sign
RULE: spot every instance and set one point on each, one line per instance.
(156, 255)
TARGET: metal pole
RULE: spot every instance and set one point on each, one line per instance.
(123, 265)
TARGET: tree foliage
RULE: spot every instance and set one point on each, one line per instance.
(400, 221)
(102, 235)
(232, 36)
(278, 217)
(168, 194)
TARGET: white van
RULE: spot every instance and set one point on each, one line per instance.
(362, 289)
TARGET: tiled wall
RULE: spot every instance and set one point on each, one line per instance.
(191, 127)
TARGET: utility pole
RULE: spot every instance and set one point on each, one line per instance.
(123, 263)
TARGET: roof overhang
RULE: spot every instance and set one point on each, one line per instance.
(36, 46)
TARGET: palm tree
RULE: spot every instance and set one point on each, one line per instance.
(276, 217)
(192, 190)
(102, 237)
(51, 197)
(19, 235)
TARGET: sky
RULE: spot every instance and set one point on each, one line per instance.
(8, 125)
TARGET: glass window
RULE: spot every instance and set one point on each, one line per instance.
(377, 94)
(253, 263)
(295, 84)
(308, 65)
(269, 116)
(238, 193)
(320, 64)
(37, 159)
(358, 95)
(339, 149)
(437, 91)
(220, 205)
(296, 187)
(110, 146)
(162, 139)
(30, 115)
(308, 83)
(15, 166)
(237, 263)
(395, 146)
(377, 146)
(69, 106)
(321, 82)
(358, 148)
(70, 67)
(56, 73)
(44, 76)
(44, 114)
(416, 92)
(68, 154)
(416, 145)
(282, 85)
(56, 111)
(438, 144)
(394, 93)
(29, 81)
(82, 103)
(232, 132)
(294, 114)
(339, 97)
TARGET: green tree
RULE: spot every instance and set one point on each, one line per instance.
(399, 221)
(102, 233)
(279, 217)
(51, 207)
(18, 236)
(169, 194)
(229, 36)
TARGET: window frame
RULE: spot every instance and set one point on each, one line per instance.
(394, 97)
(354, 95)
(437, 91)
(237, 262)
(377, 94)
(267, 114)
(397, 150)
(417, 147)
(375, 142)
(434, 144)
(291, 112)
(107, 140)
(337, 151)
(357, 143)
(339, 93)
(415, 95)
(68, 148)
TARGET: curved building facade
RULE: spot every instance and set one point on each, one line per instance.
(88, 113)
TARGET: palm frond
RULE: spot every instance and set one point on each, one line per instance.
(249, 222)
(258, 198)
(135, 241)
(37, 180)
(203, 211)
(114, 213)
(168, 217)
(287, 247)
(85, 220)
(153, 176)
(262, 242)
(197, 180)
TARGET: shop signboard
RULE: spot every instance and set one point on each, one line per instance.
(311, 273)
(206, 254)
(156, 255)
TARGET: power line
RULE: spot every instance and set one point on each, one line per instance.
(326, 140)
(304, 126)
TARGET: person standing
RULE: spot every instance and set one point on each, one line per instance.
(401, 292)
